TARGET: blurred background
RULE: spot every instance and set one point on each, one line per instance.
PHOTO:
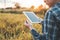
(12, 18)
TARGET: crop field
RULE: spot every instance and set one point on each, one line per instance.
(12, 27)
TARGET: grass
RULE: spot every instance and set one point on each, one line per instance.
(12, 27)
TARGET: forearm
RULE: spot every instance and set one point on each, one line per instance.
(37, 36)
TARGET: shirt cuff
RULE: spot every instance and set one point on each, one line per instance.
(34, 32)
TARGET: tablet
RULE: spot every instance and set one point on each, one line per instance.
(32, 17)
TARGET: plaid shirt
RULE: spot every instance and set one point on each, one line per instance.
(50, 25)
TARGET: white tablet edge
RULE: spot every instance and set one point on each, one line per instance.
(29, 18)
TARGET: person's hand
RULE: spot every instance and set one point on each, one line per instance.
(28, 25)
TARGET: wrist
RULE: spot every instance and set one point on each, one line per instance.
(30, 27)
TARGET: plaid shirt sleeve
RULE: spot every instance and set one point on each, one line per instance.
(37, 36)
(49, 24)
(48, 28)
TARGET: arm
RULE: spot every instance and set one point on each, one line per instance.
(49, 25)
(37, 36)
(34, 33)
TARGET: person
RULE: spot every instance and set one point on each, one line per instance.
(50, 24)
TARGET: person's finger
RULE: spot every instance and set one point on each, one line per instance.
(29, 22)
(25, 23)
